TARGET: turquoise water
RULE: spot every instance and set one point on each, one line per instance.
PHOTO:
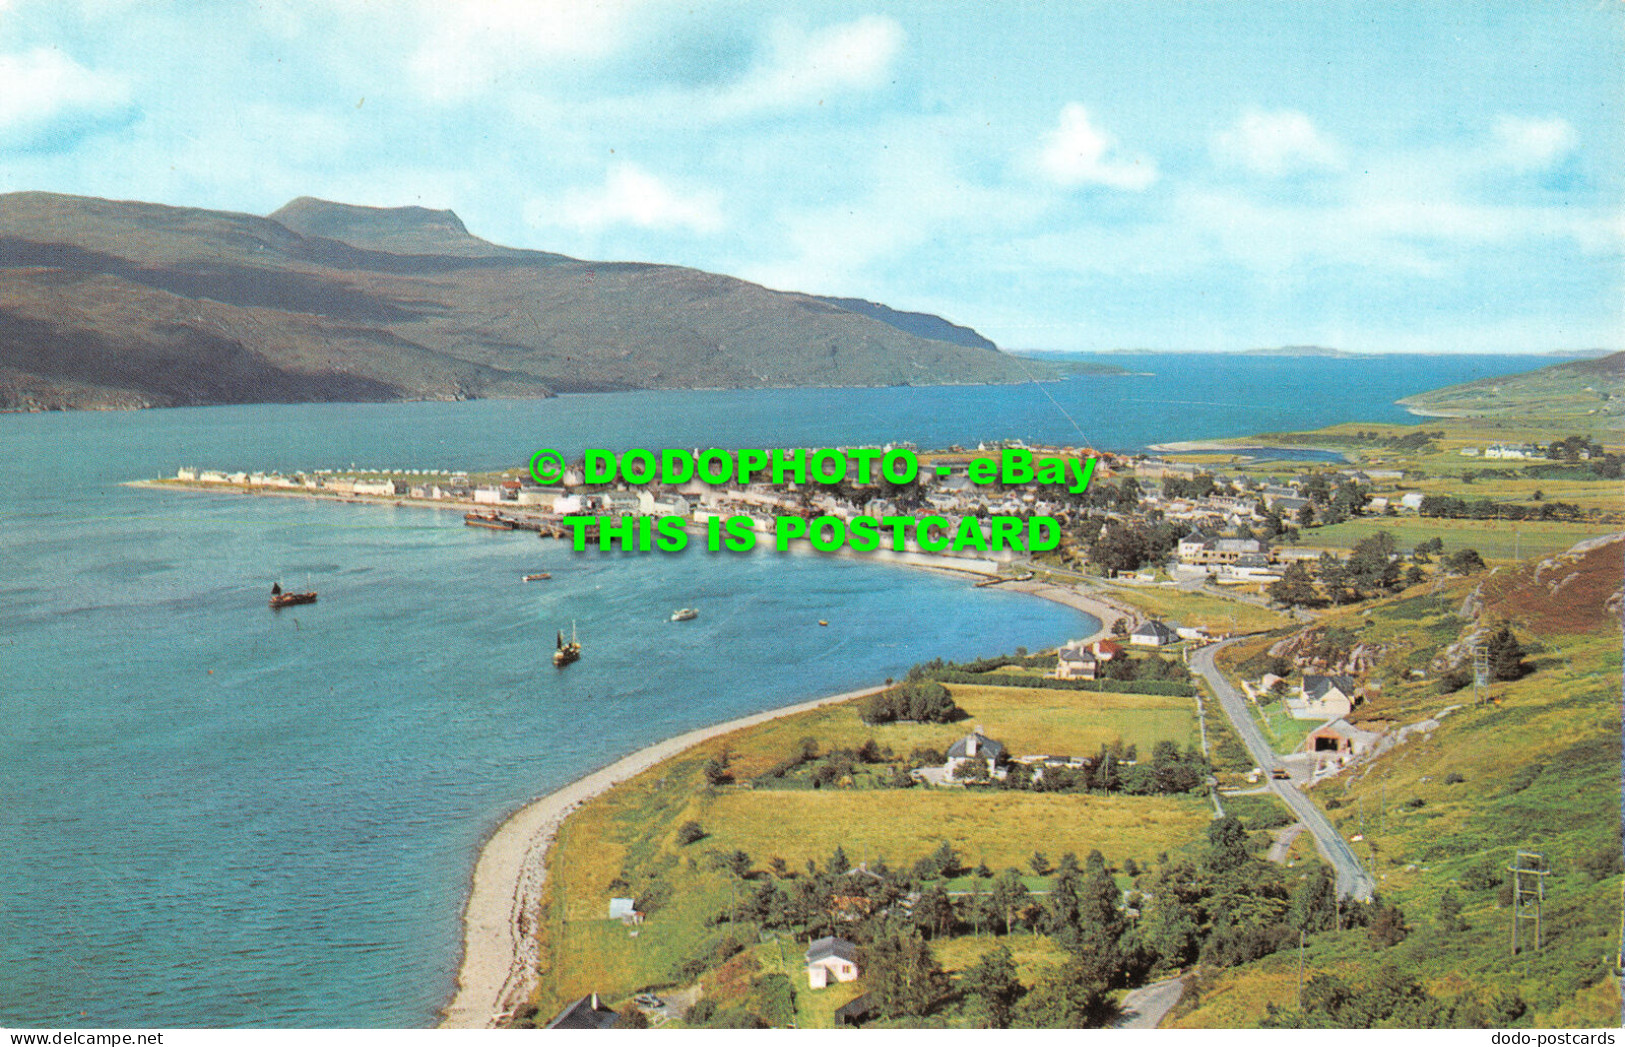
(220, 816)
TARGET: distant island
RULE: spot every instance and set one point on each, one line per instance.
(1302, 350)
(110, 304)
(1285, 350)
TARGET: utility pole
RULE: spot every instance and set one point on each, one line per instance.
(1481, 673)
(1300, 969)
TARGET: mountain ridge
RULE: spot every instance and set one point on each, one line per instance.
(115, 304)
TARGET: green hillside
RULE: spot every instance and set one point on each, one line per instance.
(1536, 768)
(1591, 388)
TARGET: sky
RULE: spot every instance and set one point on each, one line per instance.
(1375, 177)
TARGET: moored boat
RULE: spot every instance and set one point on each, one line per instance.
(491, 520)
(540, 576)
(280, 599)
(686, 614)
(565, 653)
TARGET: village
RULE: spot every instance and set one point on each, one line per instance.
(1242, 528)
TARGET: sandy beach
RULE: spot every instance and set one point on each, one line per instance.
(1089, 603)
(498, 971)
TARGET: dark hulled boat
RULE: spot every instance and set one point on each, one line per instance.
(280, 599)
(565, 653)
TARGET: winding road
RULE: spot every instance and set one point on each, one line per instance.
(1352, 879)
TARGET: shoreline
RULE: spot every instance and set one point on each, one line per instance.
(497, 971)
(498, 968)
(1231, 446)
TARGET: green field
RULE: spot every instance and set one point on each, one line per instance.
(631, 830)
(1025, 720)
(1214, 613)
(1285, 732)
(996, 827)
(1494, 540)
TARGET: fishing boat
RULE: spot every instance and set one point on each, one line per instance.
(687, 614)
(540, 576)
(565, 653)
(280, 599)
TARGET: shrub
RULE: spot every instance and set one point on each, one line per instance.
(923, 701)
(1387, 927)
(1453, 779)
(689, 832)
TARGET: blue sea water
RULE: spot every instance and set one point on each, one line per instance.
(216, 815)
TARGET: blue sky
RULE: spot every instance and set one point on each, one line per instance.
(1375, 177)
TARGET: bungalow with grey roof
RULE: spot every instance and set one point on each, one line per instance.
(831, 959)
(1152, 633)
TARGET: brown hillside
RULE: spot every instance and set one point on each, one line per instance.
(1578, 591)
(106, 303)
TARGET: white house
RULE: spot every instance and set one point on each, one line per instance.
(1076, 661)
(972, 748)
(1323, 698)
(1152, 633)
(831, 959)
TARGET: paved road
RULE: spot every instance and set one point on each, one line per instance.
(1145, 1007)
(1283, 842)
(1352, 879)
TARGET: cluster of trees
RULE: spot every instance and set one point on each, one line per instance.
(1573, 449)
(1115, 770)
(1123, 545)
(842, 763)
(1452, 508)
(1372, 569)
(1506, 658)
(923, 701)
(1198, 486)
(1222, 906)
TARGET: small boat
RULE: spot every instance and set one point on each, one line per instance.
(687, 614)
(565, 653)
(541, 576)
(489, 520)
(821, 621)
(280, 599)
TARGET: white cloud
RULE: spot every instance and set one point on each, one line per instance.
(469, 48)
(1526, 144)
(631, 196)
(1078, 153)
(808, 67)
(44, 85)
(1275, 144)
